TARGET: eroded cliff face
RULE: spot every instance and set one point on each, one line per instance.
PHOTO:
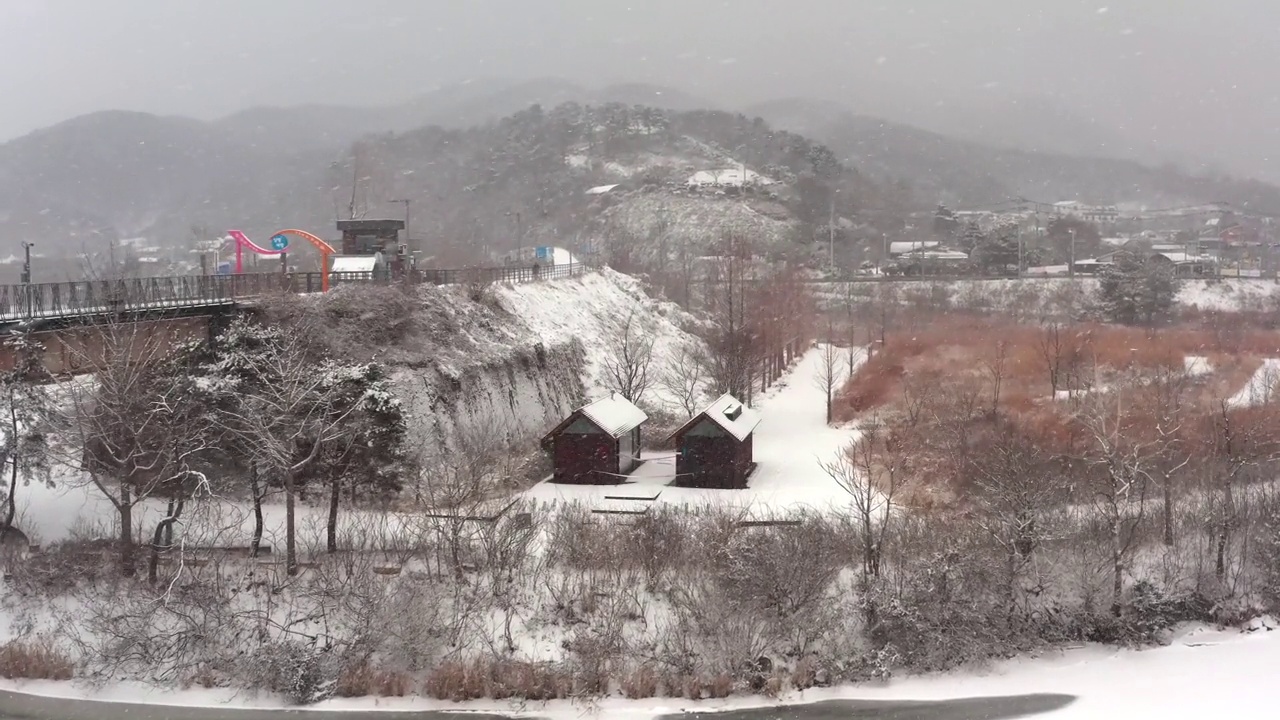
(510, 397)
(498, 364)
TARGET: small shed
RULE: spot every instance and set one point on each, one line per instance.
(598, 443)
(715, 446)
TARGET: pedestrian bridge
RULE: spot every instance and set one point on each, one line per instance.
(198, 294)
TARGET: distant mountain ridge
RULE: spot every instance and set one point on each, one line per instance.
(963, 172)
(123, 174)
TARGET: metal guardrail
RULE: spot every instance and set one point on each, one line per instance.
(92, 297)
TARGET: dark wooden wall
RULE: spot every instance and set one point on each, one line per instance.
(582, 458)
(712, 458)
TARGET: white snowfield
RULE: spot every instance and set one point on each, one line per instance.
(1204, 674)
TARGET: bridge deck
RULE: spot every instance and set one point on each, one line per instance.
(49, 301)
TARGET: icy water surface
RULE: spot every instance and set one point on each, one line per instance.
(982, 708)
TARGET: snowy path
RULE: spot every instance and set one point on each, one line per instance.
(1260, 387)
(790, 444)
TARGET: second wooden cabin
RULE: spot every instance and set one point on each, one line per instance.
(715, 447)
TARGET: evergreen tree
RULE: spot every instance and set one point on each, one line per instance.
(22, 441)
(997, 251)
(1135, 290)
(944, 222)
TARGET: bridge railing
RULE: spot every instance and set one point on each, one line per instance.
(87, 297)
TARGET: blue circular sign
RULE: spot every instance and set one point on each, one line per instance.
(279, 242)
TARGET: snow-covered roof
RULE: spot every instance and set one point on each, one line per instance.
(906, 246)
(614, 414)
(1183, 257)
(729, 177)
(940, 254)
(602, 189)
(730, 414)
(354, 263)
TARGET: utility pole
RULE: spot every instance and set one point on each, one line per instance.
(26, 263)
(1021, 252)
(26, 274)
(1071, 266)
(831, 233)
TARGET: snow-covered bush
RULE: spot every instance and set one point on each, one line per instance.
(301, 672)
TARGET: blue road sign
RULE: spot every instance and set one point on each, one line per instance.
(279, 242)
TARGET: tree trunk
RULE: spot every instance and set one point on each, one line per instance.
(335, 492)
(290, 540)
(256, 545)
(1168, 511)
(163, 538)
(1117, 568)
(1224, 532)
(126, 531)
(11, 502)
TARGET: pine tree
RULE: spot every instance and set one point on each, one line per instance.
(1135, 291)
(23, 440)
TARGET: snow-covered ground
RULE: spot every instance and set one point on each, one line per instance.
(1260, 388)
(482, 351)
(594, 309)
(1045, 294)
(1203, 674)
(790, 445)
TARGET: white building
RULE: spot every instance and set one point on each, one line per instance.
(1101, 214)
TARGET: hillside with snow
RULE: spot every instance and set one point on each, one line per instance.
(593, 310)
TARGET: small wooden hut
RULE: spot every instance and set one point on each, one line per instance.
(715, 446)
(598, 444)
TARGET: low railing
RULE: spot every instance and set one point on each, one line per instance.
(89, 297)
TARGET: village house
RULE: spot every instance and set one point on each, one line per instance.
(597, 444)
(715, 446)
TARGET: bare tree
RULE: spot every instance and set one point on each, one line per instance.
(1235, 445)
(1012, 481)
(732, 345)
(136, 425)
(292, 415)
(684, 379)
(995, 368)
(458, 486)
(830, 374)
(629, 359)
(873, 470)
(1053, 352)
(1120, 463)
(1166, 403)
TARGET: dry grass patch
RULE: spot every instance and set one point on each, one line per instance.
(458, 681)
(34, 660)
(365, 679)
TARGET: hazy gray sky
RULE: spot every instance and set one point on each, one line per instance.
(1181, 77)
